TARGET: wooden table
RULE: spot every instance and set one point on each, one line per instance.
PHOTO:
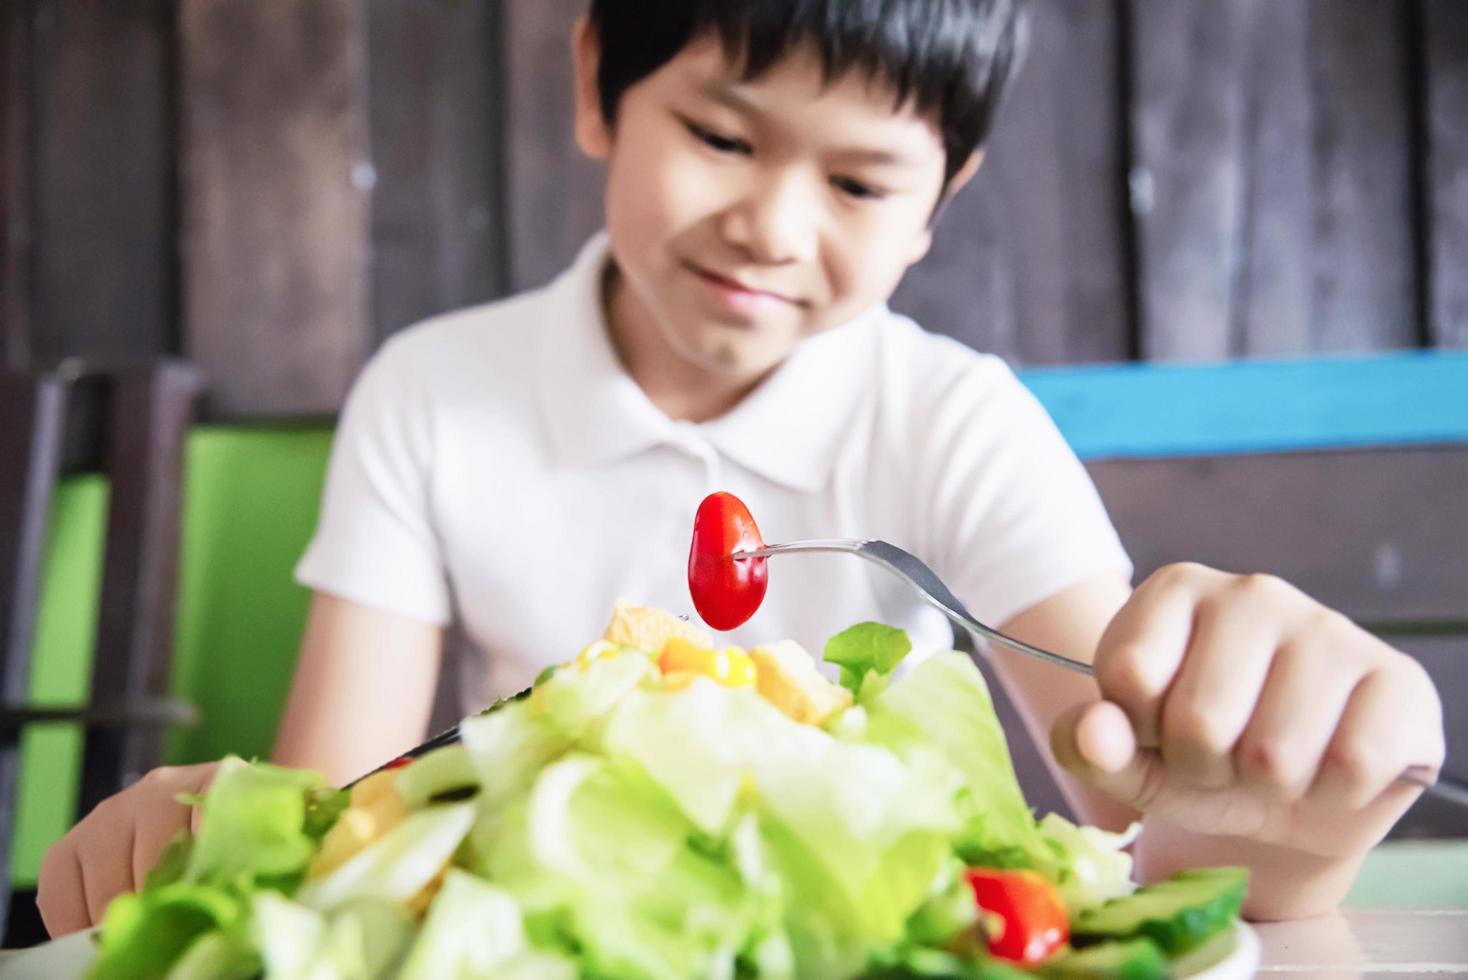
(1360, 943)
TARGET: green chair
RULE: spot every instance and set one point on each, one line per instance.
(250, 502)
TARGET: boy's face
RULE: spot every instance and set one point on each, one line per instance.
(745, 216)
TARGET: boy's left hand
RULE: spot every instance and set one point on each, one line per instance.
(1237, 705)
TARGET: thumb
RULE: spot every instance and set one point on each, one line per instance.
(1095, 742)
(198, 780)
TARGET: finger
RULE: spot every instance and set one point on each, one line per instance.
(1208, 706)
(1090, 741)
(1367, 750)
(151, 838)
(154, 833)
(1096, 743)
(61, 896)
(106, 869)
(195, 781)
(1281, 748)
(1142, 648)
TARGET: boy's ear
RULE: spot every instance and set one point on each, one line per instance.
(593, 132)
(964, 175)
(955, 184)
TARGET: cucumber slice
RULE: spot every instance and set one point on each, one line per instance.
(1177, 914)
(1131, 959)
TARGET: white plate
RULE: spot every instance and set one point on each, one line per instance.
(1233, 955)
(61, 959)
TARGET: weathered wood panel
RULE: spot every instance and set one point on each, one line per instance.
(555, 200)
(1446, 660)
(15, 87)
(1273, 179)
(101, 183)
(1378, 534)
(1445, 35)
(437, 221)
(275, 201)
(1031, 261)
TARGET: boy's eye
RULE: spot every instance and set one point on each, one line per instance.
(724, 144)
(856, 189)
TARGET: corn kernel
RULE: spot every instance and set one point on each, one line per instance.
(738, 670)
(681, 655)
(729, 666)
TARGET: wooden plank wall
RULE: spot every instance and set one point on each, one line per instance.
(1445, 30)
(1033, 261)
(272, 187)
(275, 200)
(439, 225)
(100, 190)
(1273, 177)
(15, 218)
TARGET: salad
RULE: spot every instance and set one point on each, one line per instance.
(663, 807)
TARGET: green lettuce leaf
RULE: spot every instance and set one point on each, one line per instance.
(448, 770)
(943, 704)
(867, 649)
(473, 928)
(253, 824)
(1092, 867)
(146, 934)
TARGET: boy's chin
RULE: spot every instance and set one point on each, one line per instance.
(745, 362)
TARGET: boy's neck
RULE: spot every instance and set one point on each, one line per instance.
(680, 390)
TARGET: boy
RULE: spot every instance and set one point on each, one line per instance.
(774, 167)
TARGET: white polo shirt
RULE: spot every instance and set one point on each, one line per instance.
(498, 464)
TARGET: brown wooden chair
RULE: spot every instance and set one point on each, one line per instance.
(129, 424)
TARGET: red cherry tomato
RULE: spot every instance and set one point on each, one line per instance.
(1033, 921)
(726, 590)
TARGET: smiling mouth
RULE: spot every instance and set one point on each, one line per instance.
(735, 286)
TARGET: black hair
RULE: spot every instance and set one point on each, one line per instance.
(953, 56)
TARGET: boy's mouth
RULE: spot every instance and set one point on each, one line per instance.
(739, 295)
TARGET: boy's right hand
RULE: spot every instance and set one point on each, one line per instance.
(114, 848)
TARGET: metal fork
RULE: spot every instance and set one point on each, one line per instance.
(930, 587)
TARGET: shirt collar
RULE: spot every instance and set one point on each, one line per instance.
(791, 428)
(595, 412)
(788, 430)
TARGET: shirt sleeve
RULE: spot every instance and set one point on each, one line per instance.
(375, 542)
(1016, 516)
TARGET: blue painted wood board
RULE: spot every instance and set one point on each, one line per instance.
(1147, 410)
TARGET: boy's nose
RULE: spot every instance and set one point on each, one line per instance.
(775, 224)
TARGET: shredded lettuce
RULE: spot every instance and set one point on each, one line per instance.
(400, 864)
(362, 940)
(253, 825)
(611, 824)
